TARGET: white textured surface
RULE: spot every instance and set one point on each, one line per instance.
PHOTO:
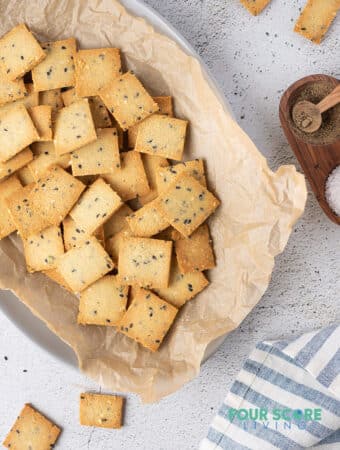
(253, 60)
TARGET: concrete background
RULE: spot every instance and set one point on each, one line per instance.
(253, 60)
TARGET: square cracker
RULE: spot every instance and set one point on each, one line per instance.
(103, 303)
(32, 429)
(42, 119)
(95, 68)
(255, 6)
(97, 157)
(75, 237)
(52, 98)
(100, 410)
(19, 52)
(57, 69)
(147, 221)
(182, 287)
(16, 132)
(29, 99)
(55, 194)
(151, 165)
(167, 175)
(148, 319)
(82, 266)
(27, 220)
(11, 90)
(7, 188)
(128, 101)
(117, 221)
(130, 180)
(195, 253)
(43, 249)
(316, 18)
(41, 163)
(112, 245)
(145, 262)
(95, 206)
(162, 136)
(74, 127)
(186, 204)
(17, 162)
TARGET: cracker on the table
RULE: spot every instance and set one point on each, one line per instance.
(165, 108)
(57, 69)
(151, 165)
(30, 99)
(19, 52)
(52, 98)
(145, 262)
(7, 188)
(148, 319)
(42, 119)
(32, 430)
(112, 245)
(43, 249)
(98, 157)
(186, 204)
(130, 180)
(17, 162)
(167, 175)
(11, 90)
(103, 303)
(195, 253)
(126, 98)
(41, 163)
(101, 410)
(255, 6)
(75, 237)
(95, 206)
(82, 266)
(117, 221)
(147, 221)
(316, 18)
(17, 131)
(73, 127)
(25, 176)
(182, 287)
(162, 136)
(95, 68)
(55, 194)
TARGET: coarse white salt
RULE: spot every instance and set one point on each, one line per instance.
(333, 190)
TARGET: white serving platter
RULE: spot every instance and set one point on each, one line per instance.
(16, 311)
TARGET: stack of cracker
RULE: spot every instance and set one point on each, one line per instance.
(87, 182)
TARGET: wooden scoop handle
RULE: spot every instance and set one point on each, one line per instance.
(331, 100)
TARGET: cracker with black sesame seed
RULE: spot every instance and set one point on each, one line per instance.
(41, 163)
(165, 108)
(182, 286)
(117, 221)
(57, 69)
(11, 91)
(112, 245)
(25, 176)
(7, 188)
(98, 157)
(17, 131)
(147, 221)
(148, 319)
(186, 204)
(74, 236)
(316, 18)
(73, 127)
(101, 410)
(127, 100)
(43, 249)
(55, 194)
(130, 180)
(144, 261)
(42, 119)
(162, 136)
(95, 68)
(195, 253)
(167, 175)
(82, 266)
(32, 430)
(17, 162)
(151, 165)
(52, 98)
(19, 52)
(29, 99)
(255, 6)
(103, 303)
(95, 206)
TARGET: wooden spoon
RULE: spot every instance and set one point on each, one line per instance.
(307, 115)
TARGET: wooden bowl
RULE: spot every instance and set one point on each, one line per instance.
(316, 160)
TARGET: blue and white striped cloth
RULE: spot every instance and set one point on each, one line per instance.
(299, 375)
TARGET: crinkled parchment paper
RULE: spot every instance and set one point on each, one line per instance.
(251, 227)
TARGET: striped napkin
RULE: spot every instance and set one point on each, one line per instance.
(287, 396)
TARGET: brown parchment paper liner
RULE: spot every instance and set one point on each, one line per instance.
(251, 227)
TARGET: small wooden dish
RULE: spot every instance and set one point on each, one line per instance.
(316, 160)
